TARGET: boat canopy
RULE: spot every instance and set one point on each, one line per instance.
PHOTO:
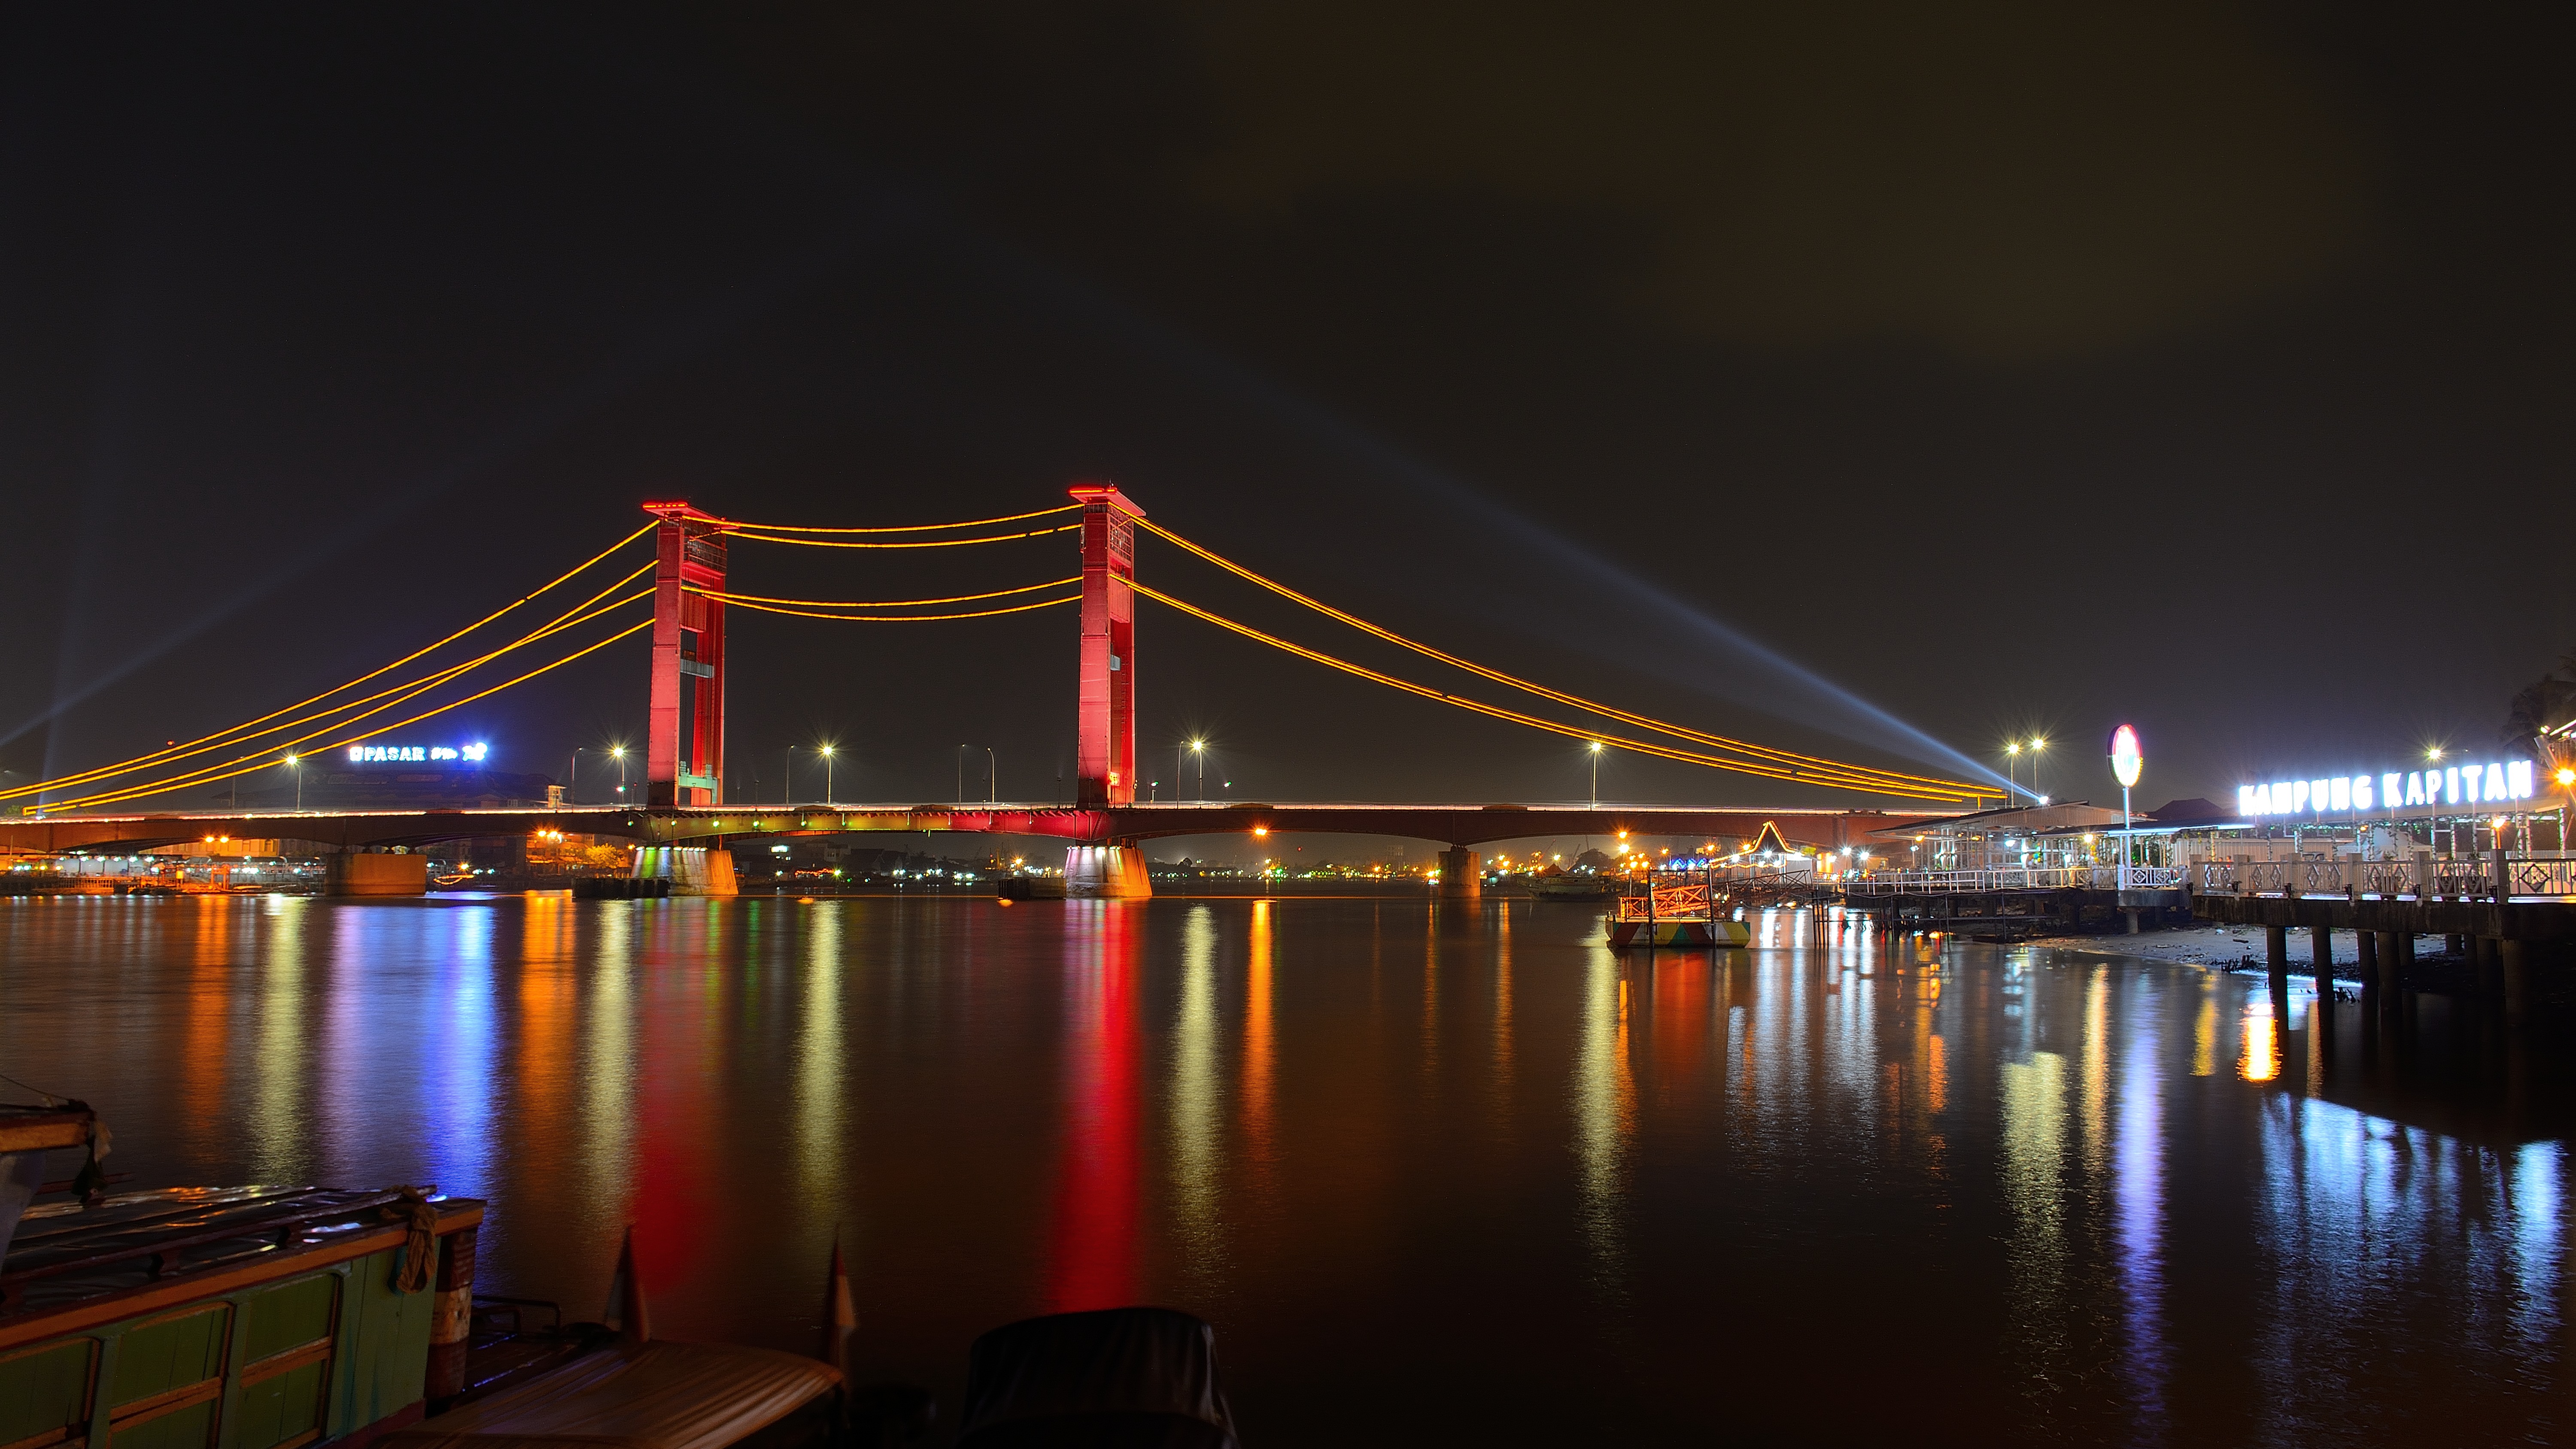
(654, 1395)
(1116, 1378)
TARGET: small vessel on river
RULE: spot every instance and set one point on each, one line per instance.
(1676, 910)
(281, 1317)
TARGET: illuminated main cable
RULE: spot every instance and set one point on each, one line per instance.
(233, 734)
(1764, 770)
(898, 618)
(401, 694)
(882, 603)
(908, 527)
(737, 532)
(387, 729)
(1766, 752)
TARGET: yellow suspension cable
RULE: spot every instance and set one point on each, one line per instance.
(909, 527)
(407, 690)
(233, 734)
(342, 744)
(1790, 757)
(901, 618)
(1774, 772)
(266, 758)
(917, 543)
(757, 599)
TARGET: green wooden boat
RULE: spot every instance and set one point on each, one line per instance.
(224, 1318)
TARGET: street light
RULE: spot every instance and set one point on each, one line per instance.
(992, 777)
(2012, 776)
(297, 765)
(1198, 749)
(827, 774)
(2036, 745)
(1596, 774)
(787, 790)
(618, 753)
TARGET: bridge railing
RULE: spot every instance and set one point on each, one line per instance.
(2535, 877)
(2014, 878)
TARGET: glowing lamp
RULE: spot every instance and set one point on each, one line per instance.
(2125, 756)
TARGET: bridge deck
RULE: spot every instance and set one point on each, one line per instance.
(1452, 824)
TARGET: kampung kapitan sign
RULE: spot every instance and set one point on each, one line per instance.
(2488, 784)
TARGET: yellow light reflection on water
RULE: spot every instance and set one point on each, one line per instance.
(2261, 1060)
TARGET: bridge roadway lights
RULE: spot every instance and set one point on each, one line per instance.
(353, 873)
(1106, 873)
(1462, 875)
(692, 870)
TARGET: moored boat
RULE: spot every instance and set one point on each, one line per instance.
(225, 1318)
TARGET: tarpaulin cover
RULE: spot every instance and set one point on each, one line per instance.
(656, 1395)
(1117, 1377)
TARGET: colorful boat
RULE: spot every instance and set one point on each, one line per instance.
(1683, 913)
(224, 1318)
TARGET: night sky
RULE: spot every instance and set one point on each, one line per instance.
(1880, 380)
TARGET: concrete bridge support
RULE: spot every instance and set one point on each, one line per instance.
(358, 874)
(1462, 875)
(2514, 966)
(2321, 958)
(2276, 956)
(2368, 945)
(1106, 872)
(692, 870)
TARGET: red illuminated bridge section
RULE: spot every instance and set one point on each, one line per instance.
(1456, 825)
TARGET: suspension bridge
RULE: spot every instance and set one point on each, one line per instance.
(683, 823)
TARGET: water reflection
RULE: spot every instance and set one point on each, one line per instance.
(1196, 1108)
(1092, 1254)
(1535, 1195)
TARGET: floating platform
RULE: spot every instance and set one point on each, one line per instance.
(1625, 935)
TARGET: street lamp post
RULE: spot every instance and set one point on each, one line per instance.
(2126, 761)
(618, 753)
(992, 777)
(296, 764)
(827, 774)
(787, 788)
(1199, 748)
(2012, 770)
(1596, 774)
(2036, 745)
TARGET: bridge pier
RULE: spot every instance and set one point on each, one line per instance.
(1462, 875)
(692, 870)
(2276, 953)
(353, 873)
(2321, 957)
(1106, 872)
(2515, 967)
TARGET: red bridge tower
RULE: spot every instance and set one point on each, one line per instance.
(1105, 723)
(684, 748)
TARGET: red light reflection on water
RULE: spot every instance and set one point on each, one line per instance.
(1092, 1252)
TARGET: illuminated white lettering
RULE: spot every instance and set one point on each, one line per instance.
(2415, 787)
(2245, 806)
(2298, 796)
(2361, 792)
(2450, 785)
(2495, 782)
(2388, 789)
(2339, 791)
(2517, 779)
(2319, 791)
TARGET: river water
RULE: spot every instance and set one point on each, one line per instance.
(1436, 1174)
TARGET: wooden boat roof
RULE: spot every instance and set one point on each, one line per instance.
(64, 1253)
(655, 1395)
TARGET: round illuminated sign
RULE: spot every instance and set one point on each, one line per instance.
(2125, 756)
